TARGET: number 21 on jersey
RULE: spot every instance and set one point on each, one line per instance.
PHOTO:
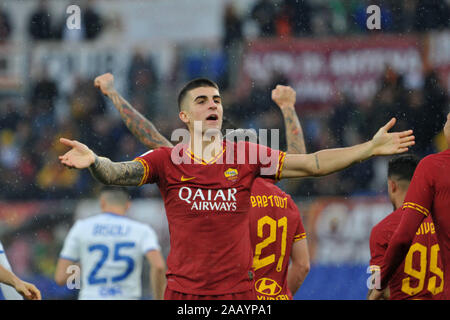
(274, 225)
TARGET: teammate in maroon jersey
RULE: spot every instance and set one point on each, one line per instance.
(420, 276)
(277, 233)
(428, 194)
(209, 196)
(268, 203)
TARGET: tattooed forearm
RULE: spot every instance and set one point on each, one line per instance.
(317, 161)
(139, 126)
(294, 132)
(128, 173)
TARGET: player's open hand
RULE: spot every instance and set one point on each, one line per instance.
(388, 143)
(27, 290)
(79, 157)
(105, 83)
(284, 96)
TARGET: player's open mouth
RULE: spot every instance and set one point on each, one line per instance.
(212, 117)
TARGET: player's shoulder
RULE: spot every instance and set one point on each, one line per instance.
(265, 183)
(157, 151)
(388, 223)
(435, 159)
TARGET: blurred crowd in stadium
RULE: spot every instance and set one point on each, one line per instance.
(30, 128)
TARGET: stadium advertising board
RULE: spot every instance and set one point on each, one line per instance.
(338, 229)
(318, 68)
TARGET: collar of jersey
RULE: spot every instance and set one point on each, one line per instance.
(114, 214)
(201, 160)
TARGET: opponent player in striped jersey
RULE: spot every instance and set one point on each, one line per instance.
(110, 248)
(428, 194)
(11, 286)
(203, 205)
(276, 228)
(420, 275)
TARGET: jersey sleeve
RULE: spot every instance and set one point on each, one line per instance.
(71, 247)
(300, 233)
(269, 161)
(378, 245)
(153, 165)
(149, 240)
(419, 197)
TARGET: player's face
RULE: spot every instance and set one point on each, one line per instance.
(204, 105)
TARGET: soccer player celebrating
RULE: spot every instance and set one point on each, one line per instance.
(269, 204)
(9, 280)
(206, 194)
(420, 275)
(428, 194)
(110, 247)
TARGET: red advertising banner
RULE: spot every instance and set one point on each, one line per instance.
(318, 68)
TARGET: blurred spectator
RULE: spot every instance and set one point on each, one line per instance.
(91, 20)
(264, 13)
(5, 26)
(9, 115)
(232, 46)
(283, 21)
(388, 102)
(431, 15)
(143, 81)
(86, 103)
(320, 21)
(300, 16)
(346, 122)
(403, 15)
(40, 23)
(428, 110)
(339, 18)
(44, 93)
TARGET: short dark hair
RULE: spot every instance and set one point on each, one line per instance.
(403, 167)
(115, 194)
(193, 84)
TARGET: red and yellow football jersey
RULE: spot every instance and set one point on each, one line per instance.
(428, 194)
(275, 224)
(420, 275)
(207, 207)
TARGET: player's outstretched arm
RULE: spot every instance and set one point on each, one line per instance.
(127, 173)
(331, 160)
(27, 290)
(285, 97)
(139, 126)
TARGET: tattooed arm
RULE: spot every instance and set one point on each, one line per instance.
(285, 98)
(139, 126)
(128, 173)
(294, 132)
